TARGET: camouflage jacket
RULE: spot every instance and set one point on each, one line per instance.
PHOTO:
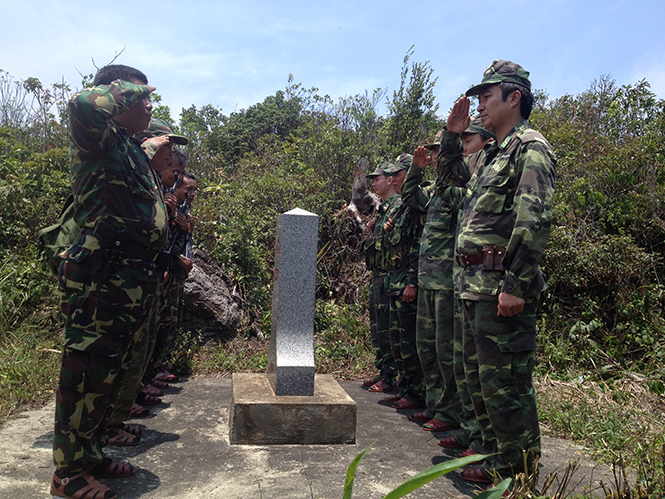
(437, 242)
(373, 246)
(401, 247)
(112, 180)
(507, 203)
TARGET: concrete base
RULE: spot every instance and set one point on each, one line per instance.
(258, 417)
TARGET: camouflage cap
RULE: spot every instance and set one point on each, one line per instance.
(384, 168)
(158, 128)
(476, 126)
(500, 71)
(437, 140)
(403, 162)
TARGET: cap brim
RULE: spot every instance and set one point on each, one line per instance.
(178, 139)
(475, 90)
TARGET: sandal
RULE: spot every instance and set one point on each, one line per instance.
(167, 377)
(419, 417)
(371, 381)
(121, 438)
(79, 486)
(152, 391)
(393, 398)
(405, 403)
(109, 468)
(159, 384)
(477, 475)
(471, 452)
(131, 429)
(450, 443)
(145, 399)
(436, 425)
(139, 412)
(382, 386)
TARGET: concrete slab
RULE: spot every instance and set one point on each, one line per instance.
(185, 454)
(259, 417)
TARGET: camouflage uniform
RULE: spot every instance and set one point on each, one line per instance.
(171, 305)
(107, 278)
(401, 248)
(434, 323)
(379, 303)
(502, 233)
(145, 342)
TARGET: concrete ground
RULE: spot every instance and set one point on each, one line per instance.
(185, 453)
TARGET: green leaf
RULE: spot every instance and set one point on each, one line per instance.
(351, 472)
(495, 492)
(430, 474)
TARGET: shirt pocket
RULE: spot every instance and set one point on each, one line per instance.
(493, 193)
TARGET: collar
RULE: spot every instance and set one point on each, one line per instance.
(515, 131)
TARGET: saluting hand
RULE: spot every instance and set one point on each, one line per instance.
(421, 157)
(459, 119)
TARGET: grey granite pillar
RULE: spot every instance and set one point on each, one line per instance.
(291, 352)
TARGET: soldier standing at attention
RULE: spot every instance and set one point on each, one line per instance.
(402, 241)
(503, 230)
(379, 303)
(108, 279)
(435, 332)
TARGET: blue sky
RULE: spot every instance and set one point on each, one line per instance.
(234, 54)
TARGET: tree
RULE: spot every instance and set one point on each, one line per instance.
(411, 111)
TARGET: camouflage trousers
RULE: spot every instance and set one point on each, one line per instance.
(380, 328)
(170, 318)
(498, 366)
(103, 309)
(136, 364)
(434, 342)
(405, 352)
(469, 436)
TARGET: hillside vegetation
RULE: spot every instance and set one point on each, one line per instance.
(603, 323)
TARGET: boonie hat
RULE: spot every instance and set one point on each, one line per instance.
(500, 71)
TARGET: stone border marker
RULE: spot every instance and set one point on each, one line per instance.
(291, 353)
(290, 404)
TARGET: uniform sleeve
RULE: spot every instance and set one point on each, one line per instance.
(91, 112)
(532, 211)
(452, 168)
(416, 194)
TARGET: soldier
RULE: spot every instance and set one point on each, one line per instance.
(435, 316)
(108, 279)
(157, 142)
(438, 331)
(170, 313)
(504, 228)
(401, 246)
(379, 304)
